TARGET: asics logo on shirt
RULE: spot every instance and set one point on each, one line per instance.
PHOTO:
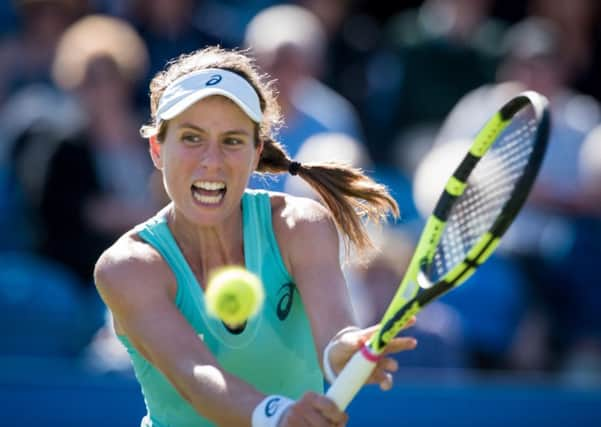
(285, 302)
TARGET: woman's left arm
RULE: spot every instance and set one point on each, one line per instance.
(310, 246)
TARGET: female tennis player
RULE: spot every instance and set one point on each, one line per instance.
(213, 118)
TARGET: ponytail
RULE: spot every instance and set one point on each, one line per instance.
(347, 192)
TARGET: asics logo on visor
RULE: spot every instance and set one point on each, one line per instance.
(213, 80)
(185, 87)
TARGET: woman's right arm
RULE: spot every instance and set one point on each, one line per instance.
(135, 284)
(139, 290)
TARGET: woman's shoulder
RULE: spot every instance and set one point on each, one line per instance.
(130, 263)
(294, 212)
(306, 233)
(301, 224)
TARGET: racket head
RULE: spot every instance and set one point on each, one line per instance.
(479, 202)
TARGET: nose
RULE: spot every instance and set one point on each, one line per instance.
(212, 156)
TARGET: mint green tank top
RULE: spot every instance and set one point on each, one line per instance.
(275, 352)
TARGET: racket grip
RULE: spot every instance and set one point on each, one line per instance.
(352, 377)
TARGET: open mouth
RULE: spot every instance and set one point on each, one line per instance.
(208, 192)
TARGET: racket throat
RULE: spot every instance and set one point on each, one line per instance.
(423, 281)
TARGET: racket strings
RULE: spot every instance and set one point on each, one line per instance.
(488, 190)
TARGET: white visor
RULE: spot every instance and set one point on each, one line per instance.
(193, 87)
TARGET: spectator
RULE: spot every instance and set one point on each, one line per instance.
(578, 22)
(351, 56)
(26, 56)
(288, 42)
(96, 182)
(33, 120)
(446, 48)
(168, 28)
(227, 20)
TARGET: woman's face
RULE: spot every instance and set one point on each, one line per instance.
(207, 157)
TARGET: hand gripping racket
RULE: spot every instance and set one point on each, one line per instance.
(479, 202)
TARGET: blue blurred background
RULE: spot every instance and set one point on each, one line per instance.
(393, 87)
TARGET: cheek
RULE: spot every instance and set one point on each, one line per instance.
(174, 172)
(251, 162)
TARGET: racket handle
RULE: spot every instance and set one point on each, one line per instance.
(352, 377)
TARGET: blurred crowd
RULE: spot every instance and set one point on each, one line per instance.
(392, 88)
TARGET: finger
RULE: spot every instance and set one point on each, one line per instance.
(368, 332)
(388, 364)
(357, 338)
(383, 368)
(410, 323)
(343, 422)
(383, 378)
(386, 383)
(314, 418)
(303, 413)
(362, 335)
(400, 344)
(328, 409)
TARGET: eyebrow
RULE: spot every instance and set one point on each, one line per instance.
(198, 129)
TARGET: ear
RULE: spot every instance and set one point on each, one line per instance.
(154, 147)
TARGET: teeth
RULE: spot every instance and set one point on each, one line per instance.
(209, 185)
(208, 199)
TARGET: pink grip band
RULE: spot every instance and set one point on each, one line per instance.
(366, 352)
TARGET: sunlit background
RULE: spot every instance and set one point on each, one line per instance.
(395, 87)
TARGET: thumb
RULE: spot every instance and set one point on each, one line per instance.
(367, 333)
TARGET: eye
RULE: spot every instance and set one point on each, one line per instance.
(190, 138)
(233, 141)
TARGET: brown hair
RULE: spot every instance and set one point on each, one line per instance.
(347, 192)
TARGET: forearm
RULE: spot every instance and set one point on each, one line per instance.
(218, 396)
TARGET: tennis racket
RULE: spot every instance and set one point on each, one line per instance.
(479, 202)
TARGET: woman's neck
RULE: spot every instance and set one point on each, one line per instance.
(208, 247)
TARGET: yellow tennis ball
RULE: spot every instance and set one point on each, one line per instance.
(233, 295)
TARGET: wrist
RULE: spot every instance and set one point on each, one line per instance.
(328, 371)
(270, 411)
